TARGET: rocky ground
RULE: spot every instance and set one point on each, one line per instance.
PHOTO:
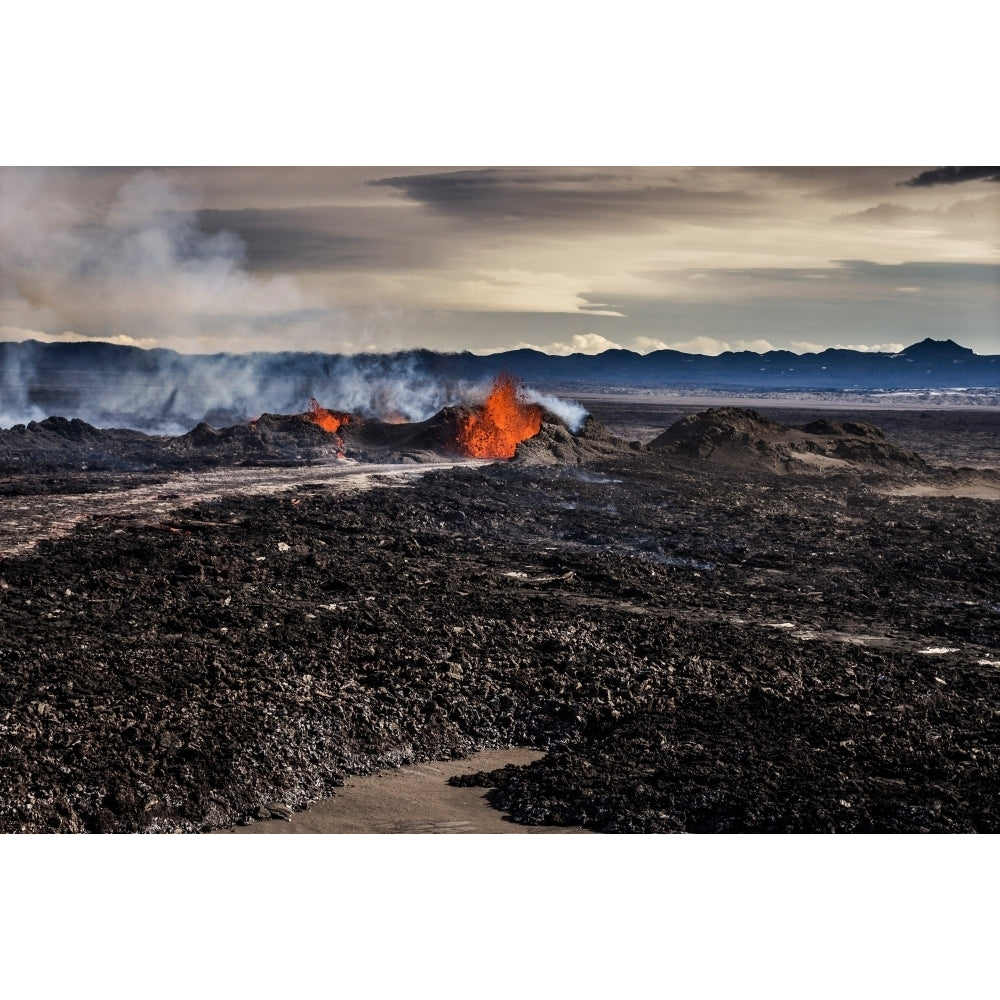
(737, 645)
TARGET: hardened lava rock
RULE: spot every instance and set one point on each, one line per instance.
(698, 647)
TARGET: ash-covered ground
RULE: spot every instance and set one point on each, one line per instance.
(738, 624)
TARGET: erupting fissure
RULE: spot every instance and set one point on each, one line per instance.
(501, 423)
(329, 420)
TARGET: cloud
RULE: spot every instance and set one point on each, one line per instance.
(646, 345)
(757, 346)
(575, 197)
(871, 348)
(138, 262)
(325, 237)
(712, 346)
(267, 258)
(885, 212)
(700, 345)
(911, 289)
(580, 343)
(953, 222)
(807, 347)
(951, 175)
(19, 333)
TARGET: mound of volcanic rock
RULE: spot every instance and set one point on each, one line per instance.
(371, 440)
(60, 444)
(57, 443)
(721, 437)
(734, 437)
(555, 444)
(271, 439)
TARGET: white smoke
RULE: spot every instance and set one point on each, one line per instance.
(370, 388)
(568, 410)
(138, 265)
(168, 393)
(15, 407)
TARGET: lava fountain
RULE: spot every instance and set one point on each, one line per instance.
(501, 423)
(330, 420)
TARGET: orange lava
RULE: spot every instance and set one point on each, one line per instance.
(495, 429)
(329, 420)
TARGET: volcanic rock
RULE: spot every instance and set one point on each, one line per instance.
(371, 440)
(695, 647)
(555, 444)
(734, 437)
(58, 443)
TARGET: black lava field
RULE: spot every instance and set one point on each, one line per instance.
(746, 623)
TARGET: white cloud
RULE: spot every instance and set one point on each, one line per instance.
(909, 288)
(807, 347)
(713, 346)
(699, 345)
(871, 348)
(645, 345)
(19, 333)
(504, 290)
(580, 343)
(759, 346)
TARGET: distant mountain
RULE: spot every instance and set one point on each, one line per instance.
(109, 385)
(938, 352)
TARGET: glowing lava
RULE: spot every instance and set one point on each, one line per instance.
(495, 429)
(330, 420)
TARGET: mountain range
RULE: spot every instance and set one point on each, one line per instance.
(105, 383)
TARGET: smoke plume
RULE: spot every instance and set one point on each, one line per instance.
(568, 410)
(139, 266)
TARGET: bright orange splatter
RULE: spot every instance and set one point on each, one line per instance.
(329, 420)
(505, 419)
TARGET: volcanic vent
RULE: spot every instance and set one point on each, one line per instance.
(501, 423)
(490, 428)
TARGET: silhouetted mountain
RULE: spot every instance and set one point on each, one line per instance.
(938, 351)
(109, 385)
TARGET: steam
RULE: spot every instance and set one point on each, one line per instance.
(122, 265)
(15, 407)
(138, 265)
(167, 393)
(568, 410)
(162, 392)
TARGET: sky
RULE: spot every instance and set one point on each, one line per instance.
(561, 259)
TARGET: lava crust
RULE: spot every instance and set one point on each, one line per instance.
(698, 646)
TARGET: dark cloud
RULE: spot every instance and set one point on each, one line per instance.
(634, 196)
(315, 239)
(940, 273)
(944, 274)
(885, 212)
(832, 183)
(952, 175)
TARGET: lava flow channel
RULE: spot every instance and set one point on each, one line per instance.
(505, 419)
